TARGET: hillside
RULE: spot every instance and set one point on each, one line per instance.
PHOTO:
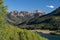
(10, 32)
(48, 21)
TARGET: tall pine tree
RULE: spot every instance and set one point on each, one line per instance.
(3, 12)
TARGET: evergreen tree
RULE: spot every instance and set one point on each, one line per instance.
(3, 12)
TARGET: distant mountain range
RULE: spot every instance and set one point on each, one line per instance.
(16, 17)
(37, 18)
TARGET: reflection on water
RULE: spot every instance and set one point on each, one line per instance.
(49, 37)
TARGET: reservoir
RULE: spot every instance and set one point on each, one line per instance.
(49, 36)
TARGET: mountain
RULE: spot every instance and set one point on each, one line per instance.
(53, 15)
(38, 19)
(48, 21)
(16, 17)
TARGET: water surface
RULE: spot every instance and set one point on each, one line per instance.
(49, 36)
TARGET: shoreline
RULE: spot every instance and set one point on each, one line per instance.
(43, 31)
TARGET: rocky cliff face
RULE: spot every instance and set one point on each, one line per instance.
(22, 16)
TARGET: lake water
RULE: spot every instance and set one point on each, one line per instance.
(49, 36)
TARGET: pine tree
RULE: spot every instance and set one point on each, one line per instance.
(3, 12)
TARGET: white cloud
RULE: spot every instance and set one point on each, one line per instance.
(50, 6)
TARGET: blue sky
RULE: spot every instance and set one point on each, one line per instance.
(30, 5)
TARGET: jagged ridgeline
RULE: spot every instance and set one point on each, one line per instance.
(9, 32)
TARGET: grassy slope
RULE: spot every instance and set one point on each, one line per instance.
(8, 32)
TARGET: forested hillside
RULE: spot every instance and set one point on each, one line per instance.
(48, 21)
